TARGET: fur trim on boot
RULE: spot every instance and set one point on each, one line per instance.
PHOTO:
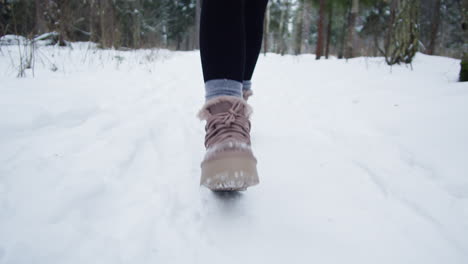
(204, 113)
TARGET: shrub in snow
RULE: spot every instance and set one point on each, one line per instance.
(464, 69)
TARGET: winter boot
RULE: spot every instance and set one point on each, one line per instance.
(229, 164)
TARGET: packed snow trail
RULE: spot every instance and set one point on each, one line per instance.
(359, 162)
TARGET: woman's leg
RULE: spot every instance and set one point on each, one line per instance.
(254, 16)
(229, 163)
(222, 46)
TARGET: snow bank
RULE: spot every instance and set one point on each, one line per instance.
(8, 40)
(359, 162)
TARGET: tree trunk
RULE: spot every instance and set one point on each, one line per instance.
(286, 28)
(347, 13)
(283, 29)
(390, 28)
(298, 29)
(137, 24)
(41, 26)
(102, 23)
(435, 27)
(266, 29)
(464, 25)
(197, 24)
(279, 46)
(64, 20)
(329, 29)
(349, 52)
(305, 30)
(92, 15)
(319, 49)
(106, 14)
(403, 33)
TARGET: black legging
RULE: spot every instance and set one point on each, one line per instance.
(230, 38)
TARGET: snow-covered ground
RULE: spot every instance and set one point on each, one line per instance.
(359, 162)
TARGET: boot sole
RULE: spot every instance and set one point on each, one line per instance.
(235, 173)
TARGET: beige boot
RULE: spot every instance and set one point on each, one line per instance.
(229, 164)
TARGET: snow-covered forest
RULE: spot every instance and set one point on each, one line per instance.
(359, 128)
(291, 26)
(395, 29)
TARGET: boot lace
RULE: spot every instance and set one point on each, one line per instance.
(232, 125)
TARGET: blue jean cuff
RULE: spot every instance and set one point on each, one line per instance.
(246, 85)
(222, 87)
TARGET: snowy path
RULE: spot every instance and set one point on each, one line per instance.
(99, 163)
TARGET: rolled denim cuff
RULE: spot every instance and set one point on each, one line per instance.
(222, 87)
(246, 85)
